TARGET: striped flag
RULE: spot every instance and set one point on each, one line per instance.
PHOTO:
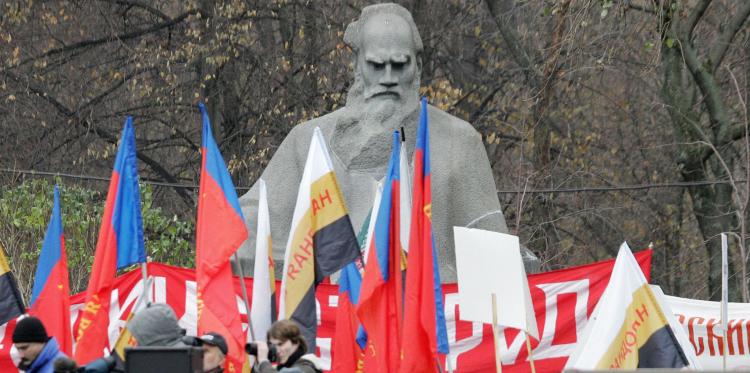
(379, 308)
(425, 334)
(263, 310)
(11, 302)
(50, 296)
(220, 230)
(347, 351)
(628, 328)
(120, 244)
(321, 239)
(347, 356)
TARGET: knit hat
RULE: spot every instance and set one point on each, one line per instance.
(30, 330)
(215, 339)
(156, 325)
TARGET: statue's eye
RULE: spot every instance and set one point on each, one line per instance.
(378, 65)
(398, 65)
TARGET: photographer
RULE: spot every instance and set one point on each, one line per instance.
(291, 350)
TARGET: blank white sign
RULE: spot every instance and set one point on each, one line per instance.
(490, 262)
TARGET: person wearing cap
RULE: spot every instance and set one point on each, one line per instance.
(37, 350)
(214, 352)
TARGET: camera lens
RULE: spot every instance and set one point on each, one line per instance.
(252, 349)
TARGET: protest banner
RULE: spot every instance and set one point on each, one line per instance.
(563, 301)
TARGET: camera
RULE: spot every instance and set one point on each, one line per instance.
(252, 349)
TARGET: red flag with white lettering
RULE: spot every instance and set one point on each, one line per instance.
(563, 301)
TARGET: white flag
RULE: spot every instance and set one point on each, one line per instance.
(628, 329)
(405, 201)
(321, 239)
(263, 308)
(373, 219)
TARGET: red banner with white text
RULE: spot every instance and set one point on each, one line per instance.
(563, 301)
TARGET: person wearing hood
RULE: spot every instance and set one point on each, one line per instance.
(155, 325)
(37, 350)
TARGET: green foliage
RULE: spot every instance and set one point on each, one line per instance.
(168, 239)
(606, 6)
(25, 212)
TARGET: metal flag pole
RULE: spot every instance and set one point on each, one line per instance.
(144, 275)
(439, 366)
(724, 297)
(244, 296)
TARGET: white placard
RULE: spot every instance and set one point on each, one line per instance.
(490, 262)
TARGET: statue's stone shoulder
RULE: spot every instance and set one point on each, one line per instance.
(451, 128)
(327, 123)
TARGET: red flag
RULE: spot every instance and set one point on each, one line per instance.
(220, 230)
(119, 245)
(50, 298)
(379, 308)
(425, 334)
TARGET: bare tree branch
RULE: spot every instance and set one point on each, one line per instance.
(722, 43)
(694, 17)
(110, 38)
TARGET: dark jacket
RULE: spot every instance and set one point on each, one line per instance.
(306, 364)
(44, 362)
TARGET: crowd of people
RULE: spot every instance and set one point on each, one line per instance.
(284, 350)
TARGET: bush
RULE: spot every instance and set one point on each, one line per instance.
(25, 211)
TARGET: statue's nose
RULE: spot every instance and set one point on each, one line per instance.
(388, 79)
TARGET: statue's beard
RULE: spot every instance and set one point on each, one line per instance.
(363, 135)
(381, 109)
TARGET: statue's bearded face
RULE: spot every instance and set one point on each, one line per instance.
(387, 62)
(384, 96)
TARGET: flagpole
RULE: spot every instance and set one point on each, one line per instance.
(244, 296)
(531, 355)
(498, 364)
(439, 366)
(144, 275)
(724, 297)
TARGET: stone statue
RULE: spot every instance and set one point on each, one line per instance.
(385, 97)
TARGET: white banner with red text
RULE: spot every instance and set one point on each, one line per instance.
(563, 300)
(702, 322)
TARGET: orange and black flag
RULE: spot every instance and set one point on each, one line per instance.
(321, 239)
(11, 302)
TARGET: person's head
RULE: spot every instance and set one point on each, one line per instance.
(29, 337)
(287, 337)
(387, 49)
(156, 325)
(214, 350)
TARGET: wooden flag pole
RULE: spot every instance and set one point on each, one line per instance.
(531, 355)
(498, 364)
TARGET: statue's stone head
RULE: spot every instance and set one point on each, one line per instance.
(387, 55)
